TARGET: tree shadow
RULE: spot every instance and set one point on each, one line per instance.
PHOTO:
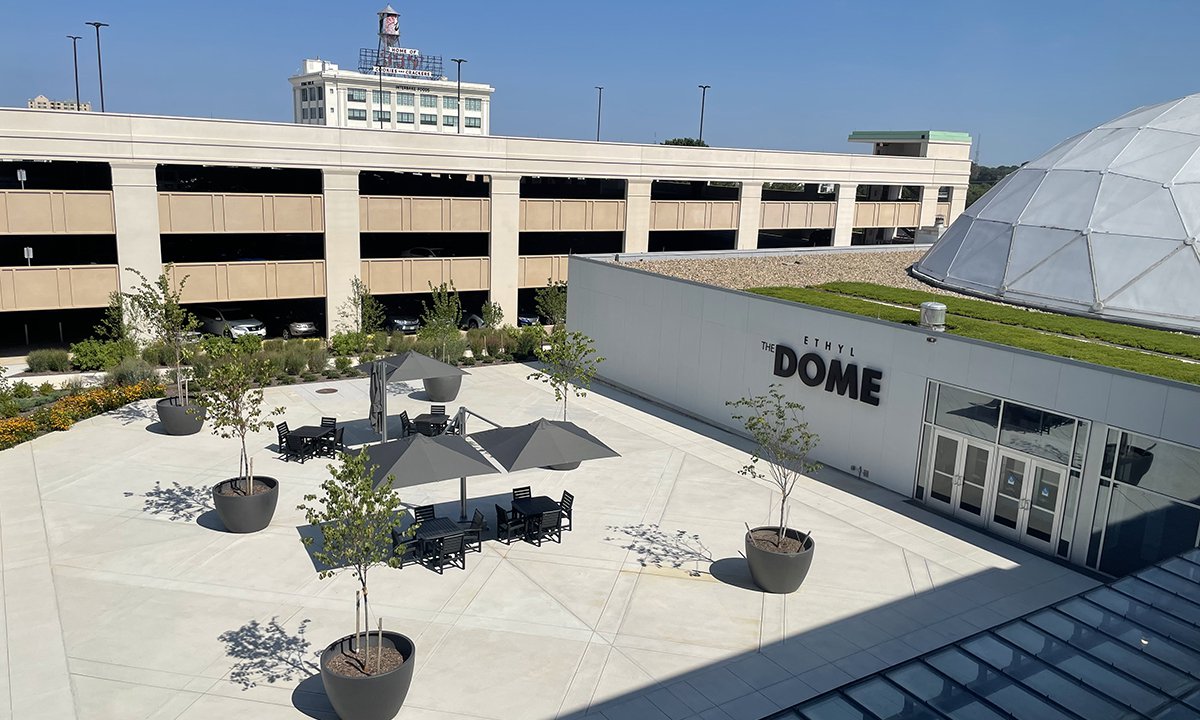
(177, 502)
(134, 412)
(662, 549)
(268, 653)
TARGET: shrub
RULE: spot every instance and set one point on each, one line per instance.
(22, 390)
(318, 358)
(275, 363)
(477, 341)
(379, 342)
(201, 367)
(295, 360)
(347, 343)
(529, 341)
(217, 346)
(15, 430)
(309, 377)
(468, 361)
(494, 342)
(342, 364)
(93, 354)
(248, 344)
(275, 345)
(158, 354)
(130, 371)
(367, 357)
(285, 379)
(9, 406)
(49, 361)
(45, 389)
(332, 373)
(64, 413)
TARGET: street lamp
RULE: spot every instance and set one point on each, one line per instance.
(703, 93)
(75, 54)
(99, 62)
(599, 104)
(459, 62)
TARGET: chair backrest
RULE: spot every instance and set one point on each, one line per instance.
(501, 516)
(437, 409)
(328, 422)
(550, 519)
(452, 544)
(522, 492)
(423, 513)
(477, 521)
(283, 430)
(338, 435)
(567, 501)
(405, 423)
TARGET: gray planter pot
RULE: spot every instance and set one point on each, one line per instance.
(179, 419)
(443, 389)
(246, 513)
(378, 697)
(778, 572)
(564, 466)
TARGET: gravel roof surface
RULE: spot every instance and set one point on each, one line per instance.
(800, 270)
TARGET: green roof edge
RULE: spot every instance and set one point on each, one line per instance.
(931, 135)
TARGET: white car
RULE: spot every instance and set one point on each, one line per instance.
(231, 322)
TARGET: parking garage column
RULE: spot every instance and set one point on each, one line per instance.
(843, 224)
(958, 202)
(504, 244)
(135, 213)
(637, 215)
(343, 255)
(749, 215)
(929, 203)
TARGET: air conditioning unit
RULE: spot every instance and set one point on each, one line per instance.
(826, 189)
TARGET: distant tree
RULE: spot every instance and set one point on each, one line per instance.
(687, 141)
(551, 302)
(984, 177)
(569, 364)
(493, 314)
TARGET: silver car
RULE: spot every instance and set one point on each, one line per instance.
(232, 322)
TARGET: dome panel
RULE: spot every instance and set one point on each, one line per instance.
(1158, 290)
(1062, 276)
(1064, 200)
(1156, 155)
(1128, 206)
(1140, 117)
(1007, 206)
(1097, 150)
(1031, 245)
(1187, 201)
(1054, 154)
(983, 201)
(1118, 259)
(936, 262)
(980, 261)
(1183, 117)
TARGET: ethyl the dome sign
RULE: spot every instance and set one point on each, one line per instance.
(837, 375)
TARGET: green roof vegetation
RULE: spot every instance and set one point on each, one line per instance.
(1014, 327)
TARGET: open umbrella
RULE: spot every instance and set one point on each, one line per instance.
(418, 459)
(414, 366)
(545, 443)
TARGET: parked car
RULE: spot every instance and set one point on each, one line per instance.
(471, 321)
(528, 317)
(420, 252)
(297, 328)
(230, 321)
(402, 323)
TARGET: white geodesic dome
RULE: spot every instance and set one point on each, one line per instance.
(1104, 224)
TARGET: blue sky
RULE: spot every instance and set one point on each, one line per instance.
(1020, 75)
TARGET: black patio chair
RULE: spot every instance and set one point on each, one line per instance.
(423, 513)
(411, 551)
(328, 422)
(452, 427)
(547, 526)
(473, 532)
(291, 448)
(565, 504)
(522, 492)
(508, 526)
(332, 444)
(448, 550)
(437, 409)
(406, 426)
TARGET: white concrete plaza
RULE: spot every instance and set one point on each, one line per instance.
(123, 598)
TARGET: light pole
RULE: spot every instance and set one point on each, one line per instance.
(459, 62)
(599, 104)
(99, 62)
(703, 93)
(75, 54)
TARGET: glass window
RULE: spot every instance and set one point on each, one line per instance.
(381, 115)
(449, 120)
(923, 460)
(834, 707)
(930, 400)
(428, 119)
(943, 694)
(473, 104)
(303, 94)
(1082, 430)
(1159, 466)
(473, 122)
(405, 117)
(384, 98)
(320, 93)
(356, 114)
(429, 101)
(450, 102)
(967, 412)
(986, 683)
(1037, 432)
(356, 95)
(1110, 452)
(1144, 528)
(405, 98)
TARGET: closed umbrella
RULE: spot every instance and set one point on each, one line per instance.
(418, 459)
(545, 443)
(378, 414)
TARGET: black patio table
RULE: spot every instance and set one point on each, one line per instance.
(532, 506)
(312, 432)
(437, 528)
(431, 424)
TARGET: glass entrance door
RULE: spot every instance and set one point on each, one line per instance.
(1028, 500)
(1043, 509)
(958, 475)
(1009, 494)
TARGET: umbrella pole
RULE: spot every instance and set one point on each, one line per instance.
(462, 499)
(383, 403)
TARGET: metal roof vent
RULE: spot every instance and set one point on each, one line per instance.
(933, 316)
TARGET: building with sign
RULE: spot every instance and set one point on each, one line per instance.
(394, 88)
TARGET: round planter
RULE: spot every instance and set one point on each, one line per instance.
(246, 513)
(377, 697)
(179, 419)
(443, 389)
(778, 572)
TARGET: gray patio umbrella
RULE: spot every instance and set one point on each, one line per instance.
(378, 413)
(418, 459)
(413, 366)
(544, 443)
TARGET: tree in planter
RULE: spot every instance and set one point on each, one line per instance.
(355, 518)
(235, 406)
(157, 305)
(492, 315)
(783, 443)
(551, 302)
(569, 364)
(440, 321)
